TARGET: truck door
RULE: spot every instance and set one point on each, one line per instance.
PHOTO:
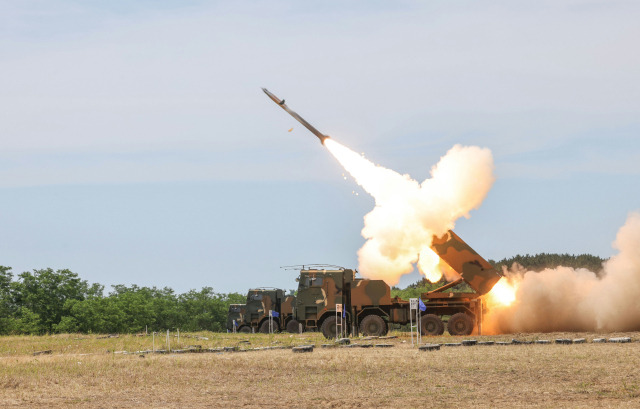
(316, 298)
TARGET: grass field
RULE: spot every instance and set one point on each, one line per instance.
(83, 371)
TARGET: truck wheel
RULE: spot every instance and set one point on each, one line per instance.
(328, 327)
(292, 327)
(245, 329)
(460, 324)
(431, 325)
(373, 326)
(264, 328)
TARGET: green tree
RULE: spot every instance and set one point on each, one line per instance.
(44, 293)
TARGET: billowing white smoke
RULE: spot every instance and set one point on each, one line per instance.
(567, 299)
(407, 214)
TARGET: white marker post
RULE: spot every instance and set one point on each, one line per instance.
(338, 319)
(270, 322)
(413, 306)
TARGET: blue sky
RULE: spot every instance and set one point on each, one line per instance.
(137, 147)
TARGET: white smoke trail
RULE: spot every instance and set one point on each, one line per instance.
(567, 299)
(407, 214)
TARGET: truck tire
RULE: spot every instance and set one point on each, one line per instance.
(431, 324)
(264, 328)
(245, 329)
(460, 324)
(292, 327)
(328, 327)
(373, 326)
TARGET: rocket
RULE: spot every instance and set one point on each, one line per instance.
(306, 124)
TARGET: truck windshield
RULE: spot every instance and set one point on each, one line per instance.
(314, 282)
(256, 297)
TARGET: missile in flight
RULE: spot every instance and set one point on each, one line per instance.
(306, 124)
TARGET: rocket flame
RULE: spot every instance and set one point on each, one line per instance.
(502, 294)
(407, 214)
(428, 264)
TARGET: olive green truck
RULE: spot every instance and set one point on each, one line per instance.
(267, 310)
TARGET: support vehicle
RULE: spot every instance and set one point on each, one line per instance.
(262, 300)
(235, 315)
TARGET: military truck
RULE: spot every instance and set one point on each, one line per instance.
(235, 315)
(262, 300)
(368, 305)
(369, 308)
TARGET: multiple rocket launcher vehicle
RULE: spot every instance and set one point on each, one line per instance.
(367, 304)
(368, 307)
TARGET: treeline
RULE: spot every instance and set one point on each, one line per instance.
(537, 262)
(48, 301)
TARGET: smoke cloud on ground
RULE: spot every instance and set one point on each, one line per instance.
(567, 299)
(407, 214)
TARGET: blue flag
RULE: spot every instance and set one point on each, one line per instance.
(421, 305)
(235, 323)
(344, 312)
(275, 314)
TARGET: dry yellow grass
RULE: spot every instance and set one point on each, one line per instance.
(80, 373)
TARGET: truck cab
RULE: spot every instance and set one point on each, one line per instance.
(235, 316)
(260, 301)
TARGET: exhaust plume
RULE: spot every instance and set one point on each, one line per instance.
(407, 214)
(567, 299)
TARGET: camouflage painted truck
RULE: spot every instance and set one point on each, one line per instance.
(262, 300)
(370, 310)
(368, 306)
(235, 315)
